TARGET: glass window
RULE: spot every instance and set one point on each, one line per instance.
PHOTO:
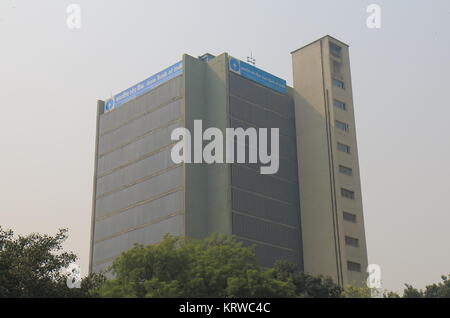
(342, 126)
(337, 68)
(335, 50)
(339, 104)
(349, 217)
(353, 267)
(351, 241)
(338, 83)
(348, 194)
(343, 148)
(346, 170)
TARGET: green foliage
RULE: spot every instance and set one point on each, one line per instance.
(440, 290)
(390, 294)
(217, 266)
(259, 283)
(356, 292)
(33, 266)
(366, 292)
(411, 292)
(307, 286)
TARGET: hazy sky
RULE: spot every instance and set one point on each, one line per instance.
(51, 77)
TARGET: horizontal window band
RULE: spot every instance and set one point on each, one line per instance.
(110, 259)
(265, 220)
(138, 181)
(139, 227)
(265, 243)
(172, 100)
(251, 124)
(243, 165)
(148, 155)
(262, 196)
(148, 133)
(259, 106)
(140, 203)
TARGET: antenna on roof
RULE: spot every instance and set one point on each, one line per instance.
(250, 59)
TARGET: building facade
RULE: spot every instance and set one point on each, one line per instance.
(309, 212)
(334, 241)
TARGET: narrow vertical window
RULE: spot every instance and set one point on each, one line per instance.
(349, 217)
(341, 125)
(353, 267)
(343, 148)
(335, 50)
(351, 241)
(339, 104)
(346, 170)
(338, 83)
(348, 194)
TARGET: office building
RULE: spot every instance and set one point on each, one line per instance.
(309, 212)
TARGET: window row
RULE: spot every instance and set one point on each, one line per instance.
(349, 217)
(340, 105)
(343, 147)
(346, 170)
(354, 267)
(335, 50)
(342, 126)
(351, 241)
(338, 83)
(348, 194)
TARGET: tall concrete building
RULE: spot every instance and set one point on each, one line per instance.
(309, 212)
(331, 205)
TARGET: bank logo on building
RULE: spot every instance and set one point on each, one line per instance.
(235, 65)
(257, 75)
(144, 86)
(109, 105)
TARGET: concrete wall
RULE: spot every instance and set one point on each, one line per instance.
(322, 205)
(139, 191)
(208, 197)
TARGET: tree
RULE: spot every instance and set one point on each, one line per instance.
(439, 290)
(356, 292)
(217, 266)
(391, 294)
(306, 285)
(411, 292)
(34, 266)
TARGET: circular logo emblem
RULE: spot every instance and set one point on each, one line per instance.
(109, 105)
(234, 65)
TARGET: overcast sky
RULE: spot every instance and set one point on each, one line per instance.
(51, 77)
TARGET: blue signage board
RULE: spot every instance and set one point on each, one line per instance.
(257, 75)
(144, 86)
